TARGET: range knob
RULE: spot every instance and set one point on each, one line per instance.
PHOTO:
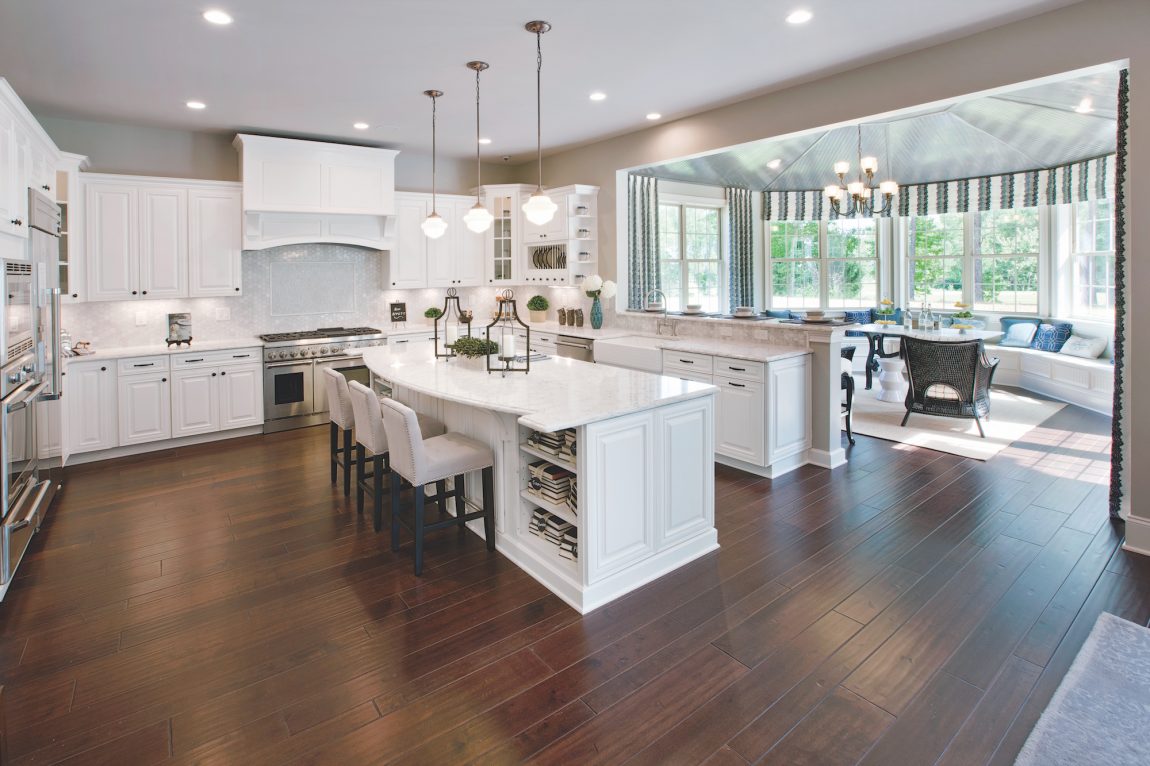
(293, 354)
(323, 350)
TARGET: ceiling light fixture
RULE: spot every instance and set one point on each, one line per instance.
(598, 95)
(196, 105)
(485, 141)
(774, 164)
(218, 17)
(1085, 106)
(654, 116)
(361, 126)
(858, 197)
(799, 16)
(478, 218)
(433, 226)
(539, 208)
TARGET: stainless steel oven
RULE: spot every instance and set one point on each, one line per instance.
(288, 389)
(352, 368)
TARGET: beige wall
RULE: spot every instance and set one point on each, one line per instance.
(141, 150)
(1082, 35)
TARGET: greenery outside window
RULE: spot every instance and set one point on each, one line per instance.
(852, 263)
(1005, 266)
(938, 251)
(795, 272)
(816, 264)
(1092, 287)
(691, 256)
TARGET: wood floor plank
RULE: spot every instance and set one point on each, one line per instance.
(980, 734)
(923, 732)
(839, 731)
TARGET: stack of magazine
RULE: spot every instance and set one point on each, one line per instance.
(573, 497)
(560, 443)
(550, 482)
(562, 534)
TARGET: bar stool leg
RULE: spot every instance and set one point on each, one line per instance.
(489, 506)
(377, 492)
(393, 480)
(334, 450)
(441, 492)
(347, 459)
(360, 459)
(460, 503)
(418, 512)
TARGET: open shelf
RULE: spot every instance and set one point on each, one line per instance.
(561, 511)
(555, 459)
(549, 551)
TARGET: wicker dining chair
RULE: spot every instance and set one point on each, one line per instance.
(848, 384)
(949, 379)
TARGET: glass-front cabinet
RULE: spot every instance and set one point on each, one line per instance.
(501, 264)
(70, 262)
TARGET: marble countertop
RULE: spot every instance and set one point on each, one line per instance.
(747, 350)
(125, 352)
(558, 393)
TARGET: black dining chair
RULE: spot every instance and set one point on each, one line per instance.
(848, 385)
(948, 379)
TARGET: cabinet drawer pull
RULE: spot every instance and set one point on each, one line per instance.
(686, 361)
(737, 369)
(147, 364)
(240, 356)
(189, 361)
(736, 385)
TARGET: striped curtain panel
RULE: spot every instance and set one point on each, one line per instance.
(740, 267)
(1117, 437)
(642, 238)
(1075, 182)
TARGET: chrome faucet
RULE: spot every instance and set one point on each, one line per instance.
(664, 323)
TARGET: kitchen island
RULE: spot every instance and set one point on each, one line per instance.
(642, 462)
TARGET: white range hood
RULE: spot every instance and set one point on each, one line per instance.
(300, 192)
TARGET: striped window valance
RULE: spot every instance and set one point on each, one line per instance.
(1074, 182)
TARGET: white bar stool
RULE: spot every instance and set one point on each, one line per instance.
(422, 460)
(342, 422)
(370, 436)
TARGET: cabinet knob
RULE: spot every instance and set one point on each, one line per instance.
(223, 373)
(46, 187)
(16, 222)
(237, 289)
(163, 380)
(213, 375)
(133, 292)
(145, 292)
(75, 295)
(103, 369)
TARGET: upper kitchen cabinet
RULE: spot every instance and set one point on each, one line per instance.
(70, 264)
(298, 192)
(503, 264)
(28, 159)
(416, 261)
(152, 238)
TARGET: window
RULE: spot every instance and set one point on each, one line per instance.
(815, 265)
(937, 249)
(691, 256)
(852, 263)
(795, 264)
(1092, 287)
(1006, 261)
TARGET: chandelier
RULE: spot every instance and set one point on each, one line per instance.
(858, 197)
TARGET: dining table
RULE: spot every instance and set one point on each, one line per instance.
(892, 369)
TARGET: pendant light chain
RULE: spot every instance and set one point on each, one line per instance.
(478, 161)
(434, 102)
(539, 103)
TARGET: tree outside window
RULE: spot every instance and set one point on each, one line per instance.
(690, 261)
(852, 263)
(795, 282)
(1092, 287)
(938, 249)
(1005, 277)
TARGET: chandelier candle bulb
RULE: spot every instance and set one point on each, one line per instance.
(831, 191)
(842, 168)
(869, 164)
(854, 188)
(888, 187)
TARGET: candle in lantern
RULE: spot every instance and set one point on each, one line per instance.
(507, 345)
(451, 332)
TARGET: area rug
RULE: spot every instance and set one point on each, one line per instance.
(1101, 710)
(1012, 415)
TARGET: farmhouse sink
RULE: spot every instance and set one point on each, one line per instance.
(635, 352)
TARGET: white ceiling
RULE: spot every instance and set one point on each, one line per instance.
(314, 67)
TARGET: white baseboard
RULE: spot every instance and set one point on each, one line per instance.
(1137, 536)
(774, 470)
(827, 459)
(164, 444)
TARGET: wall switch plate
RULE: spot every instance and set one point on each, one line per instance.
(141, 318)
(223, 315)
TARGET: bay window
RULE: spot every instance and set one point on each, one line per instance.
(1092, 286)
(832, 264)
(691, 256)
(794, 264)
(1005, 263)
(937, 253)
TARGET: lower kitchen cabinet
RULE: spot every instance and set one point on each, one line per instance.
(145, 407)
(208, 399)
(241, 396)
(739, 420)
(90, 406)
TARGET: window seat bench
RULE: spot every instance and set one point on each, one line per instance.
(1088, 383)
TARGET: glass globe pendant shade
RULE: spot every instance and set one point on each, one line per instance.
(539, 208)
(478, 218)
(434, 226)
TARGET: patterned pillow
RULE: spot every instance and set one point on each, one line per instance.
(1018, 334)
(862, 316)
(1051, 337)
(1087, 348)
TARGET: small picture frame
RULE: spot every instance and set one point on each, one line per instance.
(179, 329)
(398, 313)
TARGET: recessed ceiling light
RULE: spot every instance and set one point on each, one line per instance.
(361, 126)
(654, 116)
(197, 105)
(598, 95)
(799, 16)
(774, 164)
(1085, 106)
(485, 141)
(216, 16)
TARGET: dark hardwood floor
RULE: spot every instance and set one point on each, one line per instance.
(224, 604)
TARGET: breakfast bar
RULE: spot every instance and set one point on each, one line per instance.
(635, 449)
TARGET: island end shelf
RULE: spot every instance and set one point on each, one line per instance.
(643, 463)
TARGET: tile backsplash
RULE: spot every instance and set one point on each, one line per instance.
(297, 287)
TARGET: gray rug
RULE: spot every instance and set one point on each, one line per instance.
(1101, 710)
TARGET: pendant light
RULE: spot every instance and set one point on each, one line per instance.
(539, 208)
(478, 218)
(433, 226)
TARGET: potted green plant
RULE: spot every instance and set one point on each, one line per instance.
(471, 349)
(432, 314)
(538, 306)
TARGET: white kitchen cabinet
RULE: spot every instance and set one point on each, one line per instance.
(554, 230)
(456, 258)
(686, 439)
(163, 249)
(112, 242)
(789, 407)
(407, 260)
(195, 402)
(241, 396)
(503, 261)
(8, 183)
(70, 257)
(90, 402)
(27, 160)
(49, 432)
(145, 407)
(739, 420)
(214, 254)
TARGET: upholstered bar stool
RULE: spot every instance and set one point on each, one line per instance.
(422, 460)
(370, 436)
(342, 423)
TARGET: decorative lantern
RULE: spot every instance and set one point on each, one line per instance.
(502, 331)
(456, 324)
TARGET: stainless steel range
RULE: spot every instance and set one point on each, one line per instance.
(294, 392)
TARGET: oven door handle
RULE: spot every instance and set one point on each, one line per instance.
(308, 363)
(34, 390)
(30, 516)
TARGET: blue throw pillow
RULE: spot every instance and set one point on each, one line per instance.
(779, 314)
(862, 316)
(1018, 334)
(1008, 322)
(1051, 337)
